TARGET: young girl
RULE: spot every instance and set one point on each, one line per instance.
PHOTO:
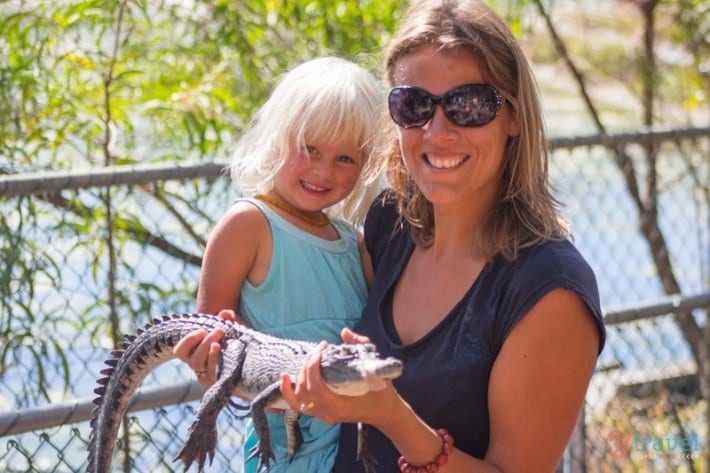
(285, 259)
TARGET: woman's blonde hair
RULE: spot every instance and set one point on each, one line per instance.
(325, 99)
(525, 213)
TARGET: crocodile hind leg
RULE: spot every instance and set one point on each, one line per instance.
(293, 433)
(202, 436)
(263, 448)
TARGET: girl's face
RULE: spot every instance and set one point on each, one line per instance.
(452, 164)
(319, 176)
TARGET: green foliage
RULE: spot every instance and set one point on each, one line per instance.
(101, 82)
(608, 47)
(690, 30)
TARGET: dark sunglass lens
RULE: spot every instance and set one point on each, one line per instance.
(409, 106)
(472, 105)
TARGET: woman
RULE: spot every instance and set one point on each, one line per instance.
(477, 288)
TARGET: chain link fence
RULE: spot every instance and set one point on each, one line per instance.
(88, 256)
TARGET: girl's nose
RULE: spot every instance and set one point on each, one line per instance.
(323, 168)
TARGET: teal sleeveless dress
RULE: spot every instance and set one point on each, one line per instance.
(313, 289)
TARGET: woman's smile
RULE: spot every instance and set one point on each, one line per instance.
(445, 162)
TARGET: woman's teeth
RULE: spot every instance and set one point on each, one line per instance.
(445, 163)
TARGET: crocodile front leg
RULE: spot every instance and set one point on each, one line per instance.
(202, 436)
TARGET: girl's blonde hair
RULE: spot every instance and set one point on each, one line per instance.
(526, 213)
(325, 99)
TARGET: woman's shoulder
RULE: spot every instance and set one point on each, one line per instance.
(541, 268)
(538, 270)
(516, 286)
(555, 259)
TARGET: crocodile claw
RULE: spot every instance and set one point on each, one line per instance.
(198, 448)
(265, 456)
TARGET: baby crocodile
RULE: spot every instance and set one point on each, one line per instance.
(250, 368)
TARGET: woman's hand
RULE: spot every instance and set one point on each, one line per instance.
(200, 350)
(310, 395)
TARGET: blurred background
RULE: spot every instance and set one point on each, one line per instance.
(116, 122)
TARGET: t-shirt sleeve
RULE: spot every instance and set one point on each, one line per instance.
(556, 265)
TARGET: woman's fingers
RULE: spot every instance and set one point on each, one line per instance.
(297, 392)
(287, 391)
(308, 394)
(349, 336)
(311, 367)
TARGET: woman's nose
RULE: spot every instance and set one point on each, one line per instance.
(439, 126)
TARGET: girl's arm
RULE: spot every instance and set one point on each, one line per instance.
(234, 253)
(537, 387)
(238, 249)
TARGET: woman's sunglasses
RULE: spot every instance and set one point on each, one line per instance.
(468, 105)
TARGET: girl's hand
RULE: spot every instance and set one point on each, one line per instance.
(200, 350)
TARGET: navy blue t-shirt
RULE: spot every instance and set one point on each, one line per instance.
(446, 372)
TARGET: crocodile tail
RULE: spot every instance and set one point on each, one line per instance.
(127, 367)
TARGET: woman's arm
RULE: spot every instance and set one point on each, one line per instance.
(536, 389)
(539, 381)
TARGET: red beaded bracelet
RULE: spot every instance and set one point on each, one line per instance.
(440, 459)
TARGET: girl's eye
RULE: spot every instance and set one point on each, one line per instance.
(312, 150)
(345, 159)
